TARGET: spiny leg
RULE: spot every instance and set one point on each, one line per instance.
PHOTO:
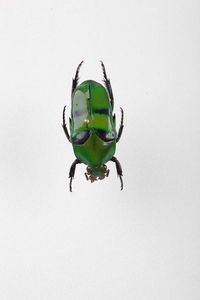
(72, 172)
(121, 126)
(76, 78)
(64, 126)
(119, 169)
(108, 84)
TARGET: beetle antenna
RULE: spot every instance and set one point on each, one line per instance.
(76, 78)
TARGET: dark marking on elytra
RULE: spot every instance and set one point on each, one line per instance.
(79, 113)
(102, 111)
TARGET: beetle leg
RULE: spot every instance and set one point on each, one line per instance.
(64, 126)
(86, 176)
(76, 78)
(107, 173)
(72, 172)
(119, 169)
(121, 126)
(114, 119)
(108, 85)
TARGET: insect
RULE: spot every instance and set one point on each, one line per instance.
(93, 132)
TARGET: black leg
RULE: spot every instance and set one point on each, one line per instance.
(108, 84)
(76, 78)
(121, 126)
(72, 172)
(65, 126)
(119, 169)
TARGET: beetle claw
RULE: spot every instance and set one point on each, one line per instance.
(122, 185)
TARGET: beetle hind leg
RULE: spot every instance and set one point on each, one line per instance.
(108, 84)
(76, 78)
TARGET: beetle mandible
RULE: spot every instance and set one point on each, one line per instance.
(93, 127)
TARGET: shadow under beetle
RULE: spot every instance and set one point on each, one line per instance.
(93, 127)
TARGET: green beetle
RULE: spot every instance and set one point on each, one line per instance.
(92, 127)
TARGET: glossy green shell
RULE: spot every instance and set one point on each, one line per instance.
(92, 125)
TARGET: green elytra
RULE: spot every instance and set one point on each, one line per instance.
(92, 127)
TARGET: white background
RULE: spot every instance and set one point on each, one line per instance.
(97, 242)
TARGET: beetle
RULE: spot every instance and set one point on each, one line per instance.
(93, 132)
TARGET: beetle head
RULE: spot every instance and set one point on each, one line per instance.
(95, 173)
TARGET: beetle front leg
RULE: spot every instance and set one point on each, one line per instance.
(119, 170)
(64, 126)
(121, 126)
(107, 173)
(72, 172)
